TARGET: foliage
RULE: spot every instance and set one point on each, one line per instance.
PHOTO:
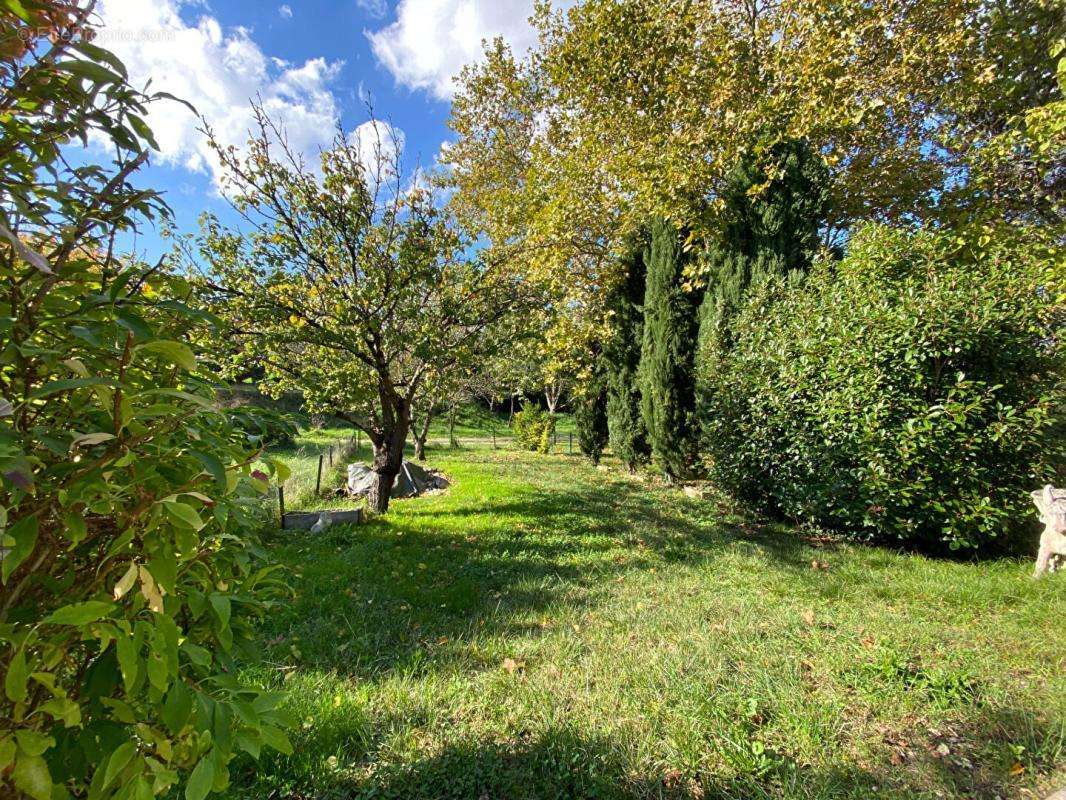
(266, 427)
(667, 357)
(350, 289)
(533, 428)
(771, 226)
(909, 393)
(590, 417)
(621, 358)
(127, 588)
(631, 109)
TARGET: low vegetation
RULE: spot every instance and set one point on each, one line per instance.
(545, 629)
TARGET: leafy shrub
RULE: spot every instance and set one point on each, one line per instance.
(127, 588)
(909, 393)
(128, 585)
(533, 429)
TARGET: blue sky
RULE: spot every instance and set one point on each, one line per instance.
(313, 61)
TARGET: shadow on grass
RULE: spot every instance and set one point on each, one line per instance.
(409, 591)
(440, 586)
(563, 764)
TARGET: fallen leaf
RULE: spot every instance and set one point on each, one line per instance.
(512, 666)
(808, 617)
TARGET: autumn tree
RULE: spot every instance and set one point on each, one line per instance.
(346, 284)
(631, 109)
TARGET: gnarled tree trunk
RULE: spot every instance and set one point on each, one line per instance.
(388, 449)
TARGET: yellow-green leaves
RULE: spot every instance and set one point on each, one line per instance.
(174, 352)
(80, 613)
(31, 776)
(19, 539)
(17, 678)
(183, 514)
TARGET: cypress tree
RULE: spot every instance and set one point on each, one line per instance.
(774, 231)
(590, 416)
(667, 379)
(621, 358)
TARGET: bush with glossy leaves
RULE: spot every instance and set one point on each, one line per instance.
(911, 393)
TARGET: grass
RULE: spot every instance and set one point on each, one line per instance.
(549, 630)
(475, 426)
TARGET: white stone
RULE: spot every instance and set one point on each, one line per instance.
(1051, 503)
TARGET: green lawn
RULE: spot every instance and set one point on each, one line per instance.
(549, 630)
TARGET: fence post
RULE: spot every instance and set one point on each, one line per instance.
(281, 504)
(318, 480)
(331, 455)
(358, 444)
(493, 438)
(571, 435)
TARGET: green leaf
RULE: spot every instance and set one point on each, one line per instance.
(183, 514)
(177, 707)
(31, 776)
(90, 70)
(142, 129)
(274, 737)
(134, 324)
(24, 532)
(249, 742)
(15, 682)
(33, 743)
(126, 651)
(118, 761)
(174, 352)
(7, 752)
(18, 9)
(63, 709)
(100, 54)
(54, 387)
(221, 604)
(213, 467)
(76, 527)
(80, 613)
(201, 779)
(165, 571)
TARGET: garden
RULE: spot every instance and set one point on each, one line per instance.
(687, 429)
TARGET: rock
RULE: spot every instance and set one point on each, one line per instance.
(412, 480)
(1051, 503)
(318, 521)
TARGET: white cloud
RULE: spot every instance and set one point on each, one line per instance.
(374, 8)
(431, 40)
(285, 11)
(380, 144)
(219, 72)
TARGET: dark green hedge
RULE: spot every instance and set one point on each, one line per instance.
(910, 393)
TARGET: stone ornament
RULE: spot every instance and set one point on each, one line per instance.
(1051, 503)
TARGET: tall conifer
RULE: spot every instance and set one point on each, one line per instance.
(621, 358)
(667, 379)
